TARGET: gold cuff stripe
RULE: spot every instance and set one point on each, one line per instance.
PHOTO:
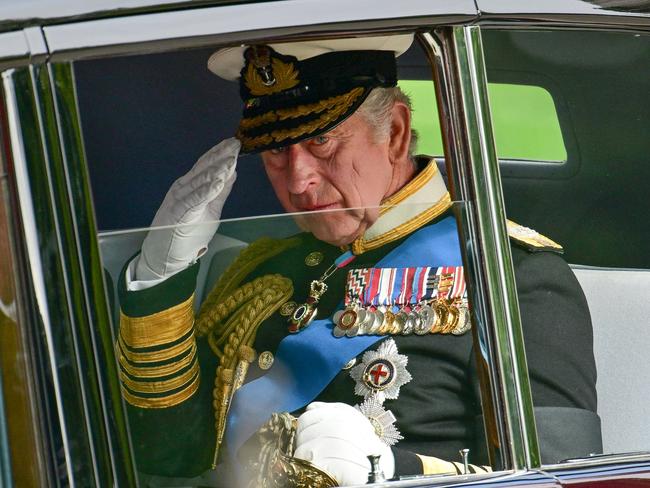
(162, 402)
(360, 246)
(156, 356)
(160, 386)
(159, 328)
(157, 371)
(415, 185)
(434, 465)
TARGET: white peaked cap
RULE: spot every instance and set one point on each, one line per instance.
(227, 63)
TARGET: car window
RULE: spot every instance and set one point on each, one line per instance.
(593, 219)
(525, 121)
(261, 277)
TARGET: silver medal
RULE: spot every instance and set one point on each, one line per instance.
(409, 327)
(427, 319)
(346, 320)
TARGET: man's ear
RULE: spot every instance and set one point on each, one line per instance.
(400, 133)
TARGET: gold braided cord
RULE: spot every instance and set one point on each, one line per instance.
(156, 356)
(240, 329)
(251, 257)
(159, 328)
(157, 371)
(160, 386)
(214, 318)
(164, 402)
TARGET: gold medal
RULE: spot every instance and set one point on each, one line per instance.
(387, 324)
(400, 322)
(464, 323)
(314, 258)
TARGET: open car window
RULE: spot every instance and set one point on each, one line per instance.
(401, 285)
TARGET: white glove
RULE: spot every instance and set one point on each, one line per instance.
(337, 438)
(192, 206)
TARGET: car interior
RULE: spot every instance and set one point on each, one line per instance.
(147, 118)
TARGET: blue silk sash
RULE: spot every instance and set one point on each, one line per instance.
(306, 362)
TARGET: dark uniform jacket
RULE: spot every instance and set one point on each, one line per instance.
(438, 412)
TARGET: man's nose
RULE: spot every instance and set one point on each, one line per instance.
(301, 174)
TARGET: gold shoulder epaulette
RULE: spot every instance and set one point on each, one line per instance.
(531, 239)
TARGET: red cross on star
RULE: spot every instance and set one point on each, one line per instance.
(377, 372)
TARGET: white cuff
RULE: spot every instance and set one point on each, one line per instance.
(135, 285)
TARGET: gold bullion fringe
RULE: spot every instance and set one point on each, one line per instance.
(251, 257)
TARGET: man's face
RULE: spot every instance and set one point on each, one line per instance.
(342, 169)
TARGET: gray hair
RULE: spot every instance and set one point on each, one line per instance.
(376, 110)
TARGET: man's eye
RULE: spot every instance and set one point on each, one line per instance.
(319, 140)
(278, 150)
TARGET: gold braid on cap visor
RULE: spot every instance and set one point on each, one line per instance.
(331, 108)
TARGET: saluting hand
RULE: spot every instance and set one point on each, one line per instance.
(190, 213)
(338, 438)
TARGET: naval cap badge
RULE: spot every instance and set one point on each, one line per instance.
(381, 373)
(267, 72)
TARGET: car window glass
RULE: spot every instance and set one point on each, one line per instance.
(587, 347)
(171, 112)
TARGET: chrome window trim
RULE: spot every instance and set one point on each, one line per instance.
(565, 11)
(91, 272)
(474, 179)
(30, 236)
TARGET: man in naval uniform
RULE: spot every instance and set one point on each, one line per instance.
(357, 326)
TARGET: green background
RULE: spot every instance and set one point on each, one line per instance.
(524, 120)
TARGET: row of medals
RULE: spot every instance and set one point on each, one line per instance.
(439, 316)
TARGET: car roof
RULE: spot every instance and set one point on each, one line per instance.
(17, 14)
